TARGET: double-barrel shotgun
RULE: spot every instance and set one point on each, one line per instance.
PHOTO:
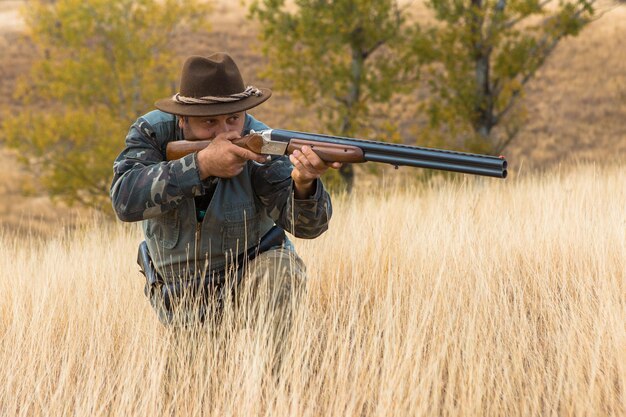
(350, 150)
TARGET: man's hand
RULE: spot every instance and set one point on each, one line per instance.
(223, 159)
(308, 167)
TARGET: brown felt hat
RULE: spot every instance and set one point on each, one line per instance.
(212, 86)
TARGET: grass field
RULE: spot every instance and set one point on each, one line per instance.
(478, 297)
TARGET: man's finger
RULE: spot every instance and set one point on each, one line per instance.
(304, 160)
(313, 158)
(248, 154)
(295, 161)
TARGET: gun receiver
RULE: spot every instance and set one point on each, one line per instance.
(341, 149)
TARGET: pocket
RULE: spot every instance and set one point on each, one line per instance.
(167, 229)
(279, 171)
(241, 228)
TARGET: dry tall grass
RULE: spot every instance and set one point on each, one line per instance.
(472, 298)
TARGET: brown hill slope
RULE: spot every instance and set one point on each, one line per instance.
(577, 102)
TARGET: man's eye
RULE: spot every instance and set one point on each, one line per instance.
(234, 118)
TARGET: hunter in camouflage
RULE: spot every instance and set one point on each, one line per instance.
(203, 212)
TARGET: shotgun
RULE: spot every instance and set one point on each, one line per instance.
(349, 150)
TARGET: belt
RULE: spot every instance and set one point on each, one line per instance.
(175, 290)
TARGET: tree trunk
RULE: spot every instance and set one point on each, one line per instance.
(483, 119)
(347, 170)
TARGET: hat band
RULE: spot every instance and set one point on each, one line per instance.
(249, 91)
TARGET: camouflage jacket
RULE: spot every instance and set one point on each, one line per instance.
(242, 209)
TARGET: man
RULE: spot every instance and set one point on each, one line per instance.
(207, 215)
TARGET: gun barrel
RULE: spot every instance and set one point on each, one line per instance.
(432, 164)
(405, 155)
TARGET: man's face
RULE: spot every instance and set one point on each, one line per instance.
(204, 128)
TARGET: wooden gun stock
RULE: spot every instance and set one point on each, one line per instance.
(181, 148)
(328, 152)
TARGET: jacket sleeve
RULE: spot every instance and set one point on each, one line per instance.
(304, 219)
(144, 184)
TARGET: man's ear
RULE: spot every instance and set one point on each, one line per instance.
(180, 121)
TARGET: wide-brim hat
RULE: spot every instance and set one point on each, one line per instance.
(212, 86)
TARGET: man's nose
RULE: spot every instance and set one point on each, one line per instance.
(223, 127)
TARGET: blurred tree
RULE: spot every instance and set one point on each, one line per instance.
(483, 53)
(102, 63)
(338, 57)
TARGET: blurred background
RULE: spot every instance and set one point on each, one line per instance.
(540, 82)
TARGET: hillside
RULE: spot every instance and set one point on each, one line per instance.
(576, 104)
